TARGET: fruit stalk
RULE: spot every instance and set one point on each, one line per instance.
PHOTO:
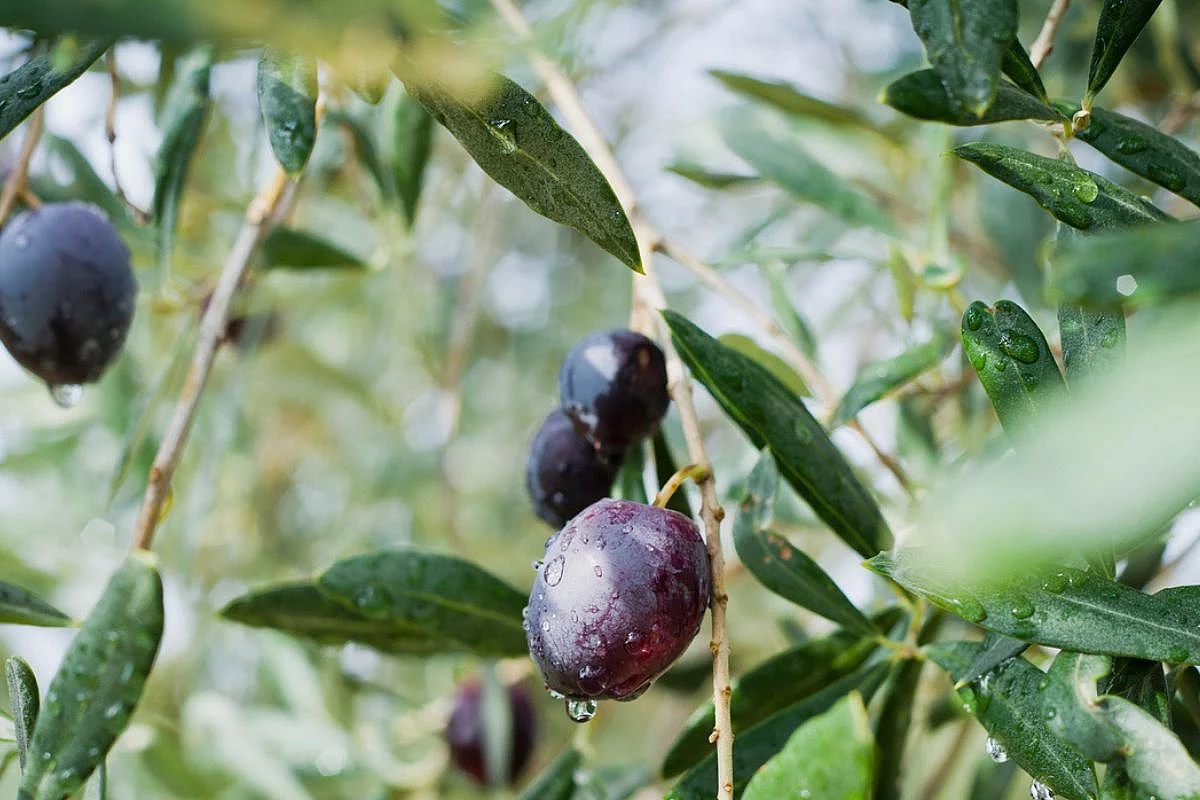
(697, 472)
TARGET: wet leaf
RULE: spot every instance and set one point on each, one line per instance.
(39, 79)
(20, 606)
(1144, 150)
(290, 248)
(771, 415)
(1075, 196)
(1093, 340)
(517, 142)
(1163, 260)
(93, 695)
(1120, 23)
(557, 781)
(444, 596)
(923, 95)
(965, 41)
(768, 361)
(287, 96)
(1020, 69)
(881, 377)
(995, 649)
(25, 702)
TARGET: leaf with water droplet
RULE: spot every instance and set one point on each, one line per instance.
(965, 40)
(287, 96)
(39, 79)
(107, 664)
(25, 702)
(1020, 69)
(1120, 23)
(878, 378)
(922, 95)
(20, 606)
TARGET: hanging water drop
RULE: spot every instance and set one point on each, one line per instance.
(66, 395)
(995, 750)
(580, 710)
(1040, 791)
(536, 564)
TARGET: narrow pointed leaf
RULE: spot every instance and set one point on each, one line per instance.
(995, 649)
(831, 755)
(366, 152)
(965, 41)
(631, 479)
(517, 142)
(923, 95)
(1093, 340)
(1014, 363)
(776, 564)
(439, 594)
(768, 143)
(892, 729)
(771, 415)
(411, 144)
(1070, 609)
(665, 466)
(1120, 23)
(22, 607)
(25, 702)
(85, 183)
(1009, 704)
(1146, 151)
(1075, 196)
(1021, 71)
(39, 79)
(881, 377)
(1164, 260)
(790, 100)
(711, 179)
(291, 248)
(287, 96)
(768, 361)
(557, 781)
(106, 665)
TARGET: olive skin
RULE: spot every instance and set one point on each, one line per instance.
(620, 595)
(613, 386)
(66, 292)
(564, 473)
(465, 732)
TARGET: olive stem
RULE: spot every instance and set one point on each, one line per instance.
(17, 183)
(696, 472)
(110, 133)
(1044, 43)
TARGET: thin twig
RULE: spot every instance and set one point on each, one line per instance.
(1180, 114)
(1044, 43)
(110, 132)
(933, 786)
(17, 183)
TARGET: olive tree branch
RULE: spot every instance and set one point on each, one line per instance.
(1044, 43)
(18, 180)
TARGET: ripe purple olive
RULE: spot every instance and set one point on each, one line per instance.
(564, 473)
(66, 292)
(613, 386)
(465, 732)
(618, 598)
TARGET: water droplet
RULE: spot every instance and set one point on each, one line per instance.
(1055, 583)
(995, 750)
(66, 395)
(1021, 607)
(1040, 791)
(969, 609)
(546, 625)
(970, 701)
(1030, 379)
(1109, 338)
(1086, 190)
(1001, 366)
(554, 694)
(113, 710)
(21, 241)
(974, 318)
(554, 571)
(978, 360)
(525, 612)
(368, 600)
(1131, 145)
(580, 710)
(598, 570)
(537, 564)
(502, 130)
(1019, 346)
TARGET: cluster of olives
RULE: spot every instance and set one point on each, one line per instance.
(66, 294)
(622, 586)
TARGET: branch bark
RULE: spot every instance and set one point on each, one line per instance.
(1043, 45)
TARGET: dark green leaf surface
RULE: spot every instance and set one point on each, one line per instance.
(517, 142)
(1070, 609)
(789, 99)
(301, 609)
(24, 700)
(1021, 71)
(880, 377)
(630, 480)
(891, 729)
(557, 781)
(1009, 704)
(439, 594)
(1120, 23)
(965, 41)
(93, 694)
(39, 79)
(289, 248)
(365, 151)
(776, 564)
(664, 467)
(711, 179)
(411, 144)
(1093, 341)
(1146, 151)
(783, 680)
(767, 142)
(755, 746)
(1075, 196)
(923, 95)
(287, 95)
(771, 415)
(22, 607)
(1071, 692)
(995, 649)
(768, 361)
(1013, 361)
(1163, 259)
(831, 755)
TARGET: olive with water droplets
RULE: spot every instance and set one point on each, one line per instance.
(465, 732)
(564, 473)
(620, 595)
(66, 292)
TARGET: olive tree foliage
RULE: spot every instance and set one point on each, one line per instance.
(946, 324)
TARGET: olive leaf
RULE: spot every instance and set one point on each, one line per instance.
(878, 378)
(965, 41)
(892, 729)
(557, 781)
(923, 95)
(1163, 260)
(411, 143)
(291, 248)
(1120, 23)
(40, 78)
(25, 702)
(287, 96)
(1021, 71)
(20, 606)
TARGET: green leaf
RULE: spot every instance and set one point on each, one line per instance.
(786, 570)
(1093, 340)
(768, 361)
(1155, 759)
(880, 377)
(24, 701)
(831, 755)
(923, 95)
(1013, 361)
(1120, 23)
(517, 142)
(631, 479)
(769, 144)
(287, 95)
(1071, 692)
(771, 415)
(106, 665)
(1070, 609)
(439, 594)
(85, 183)
(1144, 150)
(1020, 69)
(790, 100)
(185, 116)
(995, 649)
(39, 79)
(755, 746)
(785, 679)
(21, 607)
(892, 727)
(411, 143)
(711, 179)
(1075, 196)
(1009, 704)
(965, 41)
(1163, 260)
(365, 151)
(290, 248)
(301, 609)
(557, 781)
(664, 467)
